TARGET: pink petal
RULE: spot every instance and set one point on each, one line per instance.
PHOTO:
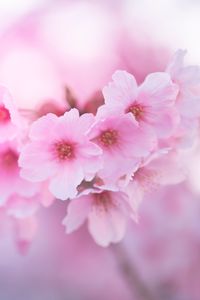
(25, 230)
(166, 123)
(115, 167)
(77, 212)
(66, 126)
(189, 76)
(169, 169)
(135, 194)
(21, 207)
(41, 128)
(176, 63)
(89, 149)
(122, 90)
(85, 122)
(158, 89)
(64, 184)
(189, 105)
(7, 132)
(106, 226)
(36, 162)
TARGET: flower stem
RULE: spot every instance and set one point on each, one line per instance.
(130, 274)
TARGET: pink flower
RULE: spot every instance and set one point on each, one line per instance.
(151, 104)
(124, 144)
(107, 214)
(9, 117)
(187, 79)
(22, 207)
(24, 230)
(60, 150)
(158, 170)
(10, 181)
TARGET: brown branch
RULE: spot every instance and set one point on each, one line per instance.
(131, 275)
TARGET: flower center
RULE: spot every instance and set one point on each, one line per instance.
(137, 110)
(64, 150)
(4, 114)
(9, 159)
(108, 137)
(102, 201)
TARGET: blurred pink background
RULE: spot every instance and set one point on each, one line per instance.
(48, 46)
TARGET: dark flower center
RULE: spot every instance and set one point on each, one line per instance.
(9, 158)
(64, 150)
(4, 114)
(137, 110)
(108, 137)
(103, 201)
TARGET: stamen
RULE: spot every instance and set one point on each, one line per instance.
(108, 137)
(64, 150)
(137, 110)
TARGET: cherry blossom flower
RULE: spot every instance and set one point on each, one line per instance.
(107, 213)
(24, 230)
(124, 144)
(18, 215)
(59, 150)
(158, 170)
(10, 180)
(187, 78)
(151, 104)
(9, 116)
(105, 163)
(22, 207)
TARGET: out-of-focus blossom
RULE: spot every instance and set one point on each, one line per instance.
(9, 116)
(11, 183)
(24, 231)
(188, 80)
(162, 170)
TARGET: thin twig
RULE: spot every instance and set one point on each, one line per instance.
(131, 275)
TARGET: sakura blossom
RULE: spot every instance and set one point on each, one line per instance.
(9, 116)
(123, 143)
(151, 104)
(24, 230)
(10, 174)
(107, 213)
(60, 151)
(159, 170)
(108, 161)
(188, 80)
(99, 151)
(109, 156)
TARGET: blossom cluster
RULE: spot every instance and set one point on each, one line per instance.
(104, 163)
